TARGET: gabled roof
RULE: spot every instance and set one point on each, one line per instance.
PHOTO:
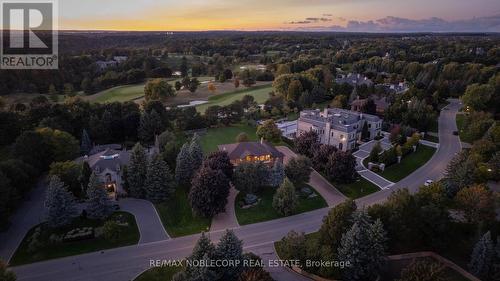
(108, 159)
(243, 149)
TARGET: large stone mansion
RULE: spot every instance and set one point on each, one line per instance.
(338, 127)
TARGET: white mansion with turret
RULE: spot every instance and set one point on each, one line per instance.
(338, 127)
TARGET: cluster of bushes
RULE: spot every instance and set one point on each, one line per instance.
(390, 156)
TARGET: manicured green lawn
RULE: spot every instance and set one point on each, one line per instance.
(462, 132)
(128, 92)
(409, 163)
(357, 189)
(224, 135)
(47, 250)
(177, 217)
(164, 273)
(120, 93)
(264, 210)
(260, 94)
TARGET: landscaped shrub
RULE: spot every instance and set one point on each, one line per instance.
(34, 241)
(111, 231)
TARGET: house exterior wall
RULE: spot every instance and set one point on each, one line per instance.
(343, 140)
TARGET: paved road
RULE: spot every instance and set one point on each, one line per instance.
(29, 214)
(434, 169)
(226, 220)
(125, 263)
(148, 221)
(331, 195)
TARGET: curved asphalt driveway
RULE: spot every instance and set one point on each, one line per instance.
(125, 263)
(147, 219)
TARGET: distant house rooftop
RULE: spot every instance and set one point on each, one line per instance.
(242, 149)
(108, 158)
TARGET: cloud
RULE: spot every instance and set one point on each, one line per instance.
(318, 19)
(397, 24)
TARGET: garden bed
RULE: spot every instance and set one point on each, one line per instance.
(264, 211)
(46, 249)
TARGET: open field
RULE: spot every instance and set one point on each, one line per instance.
(224, 135)
(260, 94)
(177, 217)
(129, 235)
(264, 210)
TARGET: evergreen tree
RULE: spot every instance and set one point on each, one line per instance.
(375, 153)
(98, 203)
(136, 171)
(201, 273)
(60, 207)
(277, 174)
(363, 246)
(365, 134)
(149, 126)
(83, 178)
(285, 200)
(482, 257)
(196, 152)
(204, 247)
(86, 143)
(159, 183)
(183, 169)
(229, 248)
(209, 192)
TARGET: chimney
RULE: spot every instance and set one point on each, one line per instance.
(261, 140)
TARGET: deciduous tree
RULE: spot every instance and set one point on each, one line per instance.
(209, 192)
(298, 170)
(269, 131)
(341, 167)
